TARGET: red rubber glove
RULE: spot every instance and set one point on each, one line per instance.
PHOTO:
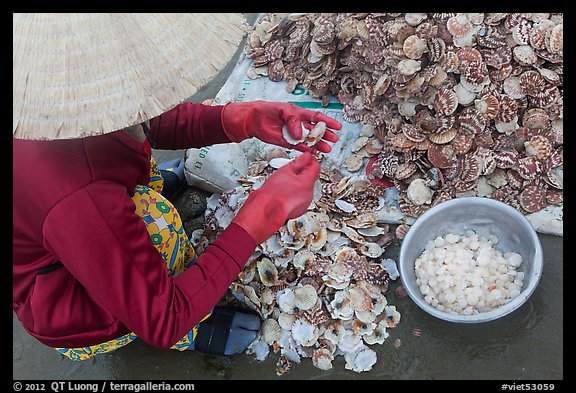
(286, 194)
(264, 120)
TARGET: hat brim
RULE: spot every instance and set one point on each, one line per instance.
(78, 75)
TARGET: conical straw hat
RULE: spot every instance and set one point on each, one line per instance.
(77, 75)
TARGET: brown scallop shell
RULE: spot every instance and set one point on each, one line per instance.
(496, 57)
(445, 101)
(528, 167)
(488, 106)
(500, 74)
(554, 197)
(461, 143)
(413, 133)
(471, 167)
(490, 37)
(441, 156)
(324, 29)
(508, 109)
(546, 97)
(400, 143)
(468, 54)
(532, 198)
(506, 159)
(443, 136)
(471, 121)
(532, 82)
(405, 170)
(514, 179)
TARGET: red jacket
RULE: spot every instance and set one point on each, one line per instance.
(72, 203)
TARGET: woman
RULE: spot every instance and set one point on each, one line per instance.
(100, 256)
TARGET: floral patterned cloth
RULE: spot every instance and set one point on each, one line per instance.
(168, 236)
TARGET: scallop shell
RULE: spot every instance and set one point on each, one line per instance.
(322, 358)
(441, 156)
(508, 109)
(513, 88)
(497, 57)
(409, 66)
(521, 32)
(412, 133)
(505, 159)
(271, 331)
(532, 198)
(555, 40)
(414, 47)
(303, 258)
(315, 134)
(360, 360)
(288, 137)
(471, 121)
(535, 118)
(465, 96)
(359, 299)
(405, 170)
(371, 250)
(524, 55)
(267, 272)
(488, 106)
(531, 82)
(305, 297)
(414, 18)
(539, 147)
(471, 167)
(467, 55)
(450, 61)
(353, 162)
(458, 25)
(444, 136)
(401, 231)
(419, 193)
(446, 101)
(490, 37)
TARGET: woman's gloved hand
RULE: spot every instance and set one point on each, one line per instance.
(286, 194)
(264, 120)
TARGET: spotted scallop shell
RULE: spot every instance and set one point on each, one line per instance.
(532, 198)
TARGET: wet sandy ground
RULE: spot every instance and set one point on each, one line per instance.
(525, 345)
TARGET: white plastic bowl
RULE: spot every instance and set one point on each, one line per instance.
(484, 216)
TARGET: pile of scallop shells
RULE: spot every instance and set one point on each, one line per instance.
(452, 104)
(319, 283)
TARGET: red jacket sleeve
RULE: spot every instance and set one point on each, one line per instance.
(188, 125)
(106, 247)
